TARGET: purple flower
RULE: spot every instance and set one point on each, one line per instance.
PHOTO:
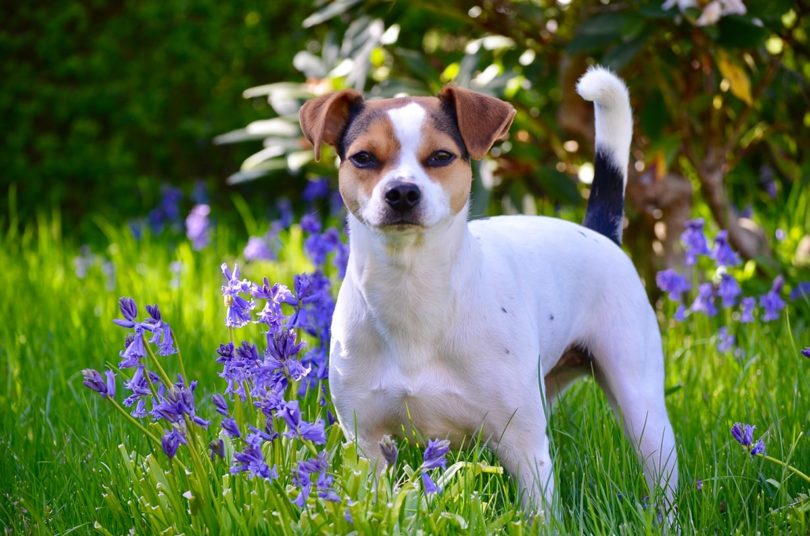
(759, 448)
(134, 349)
(694, 240)
(167, 211)
(389, 450)
(699, 484)
(771, 302)
(673, 283)
(801, 290)
(806, 352)
(704, 302)
(310, 224)
(725, 340)
(138, 385)
(220, 404)
(435, 453)
(429, 485)
(743, 433)
(723, 254)
(316, 189)
(286, 215)
(748, 305)
(341, 260)
(318, 246)
(161, 332)
(302, 478)
(95, 382)
(312, 431)
(216, 448)
(680, 314)
(728, 290)
(257, 249)
(258, 437)
(129, 311)
(238, 308)
(198, 228)
(251, 460)
(177, 403)
(230, 427)
(171, 442)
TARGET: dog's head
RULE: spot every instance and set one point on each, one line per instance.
(405, 162)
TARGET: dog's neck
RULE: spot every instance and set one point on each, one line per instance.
(411, 277)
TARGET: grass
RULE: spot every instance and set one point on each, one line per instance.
(62, 469)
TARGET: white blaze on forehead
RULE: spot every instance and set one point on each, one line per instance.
(407, 122)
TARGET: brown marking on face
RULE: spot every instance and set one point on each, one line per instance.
(456, 177)
(377, 138)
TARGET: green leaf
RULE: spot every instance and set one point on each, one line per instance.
(739, 32)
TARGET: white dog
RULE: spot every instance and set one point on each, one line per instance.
(445, 328)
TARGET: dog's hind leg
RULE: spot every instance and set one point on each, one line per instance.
(630, 369)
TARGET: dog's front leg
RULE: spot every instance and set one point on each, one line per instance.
(523, 449)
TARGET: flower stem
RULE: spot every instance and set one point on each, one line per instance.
(134, 421)
(157, 364)
(786, 466)
(180, 359)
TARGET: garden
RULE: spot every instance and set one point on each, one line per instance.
(172, 253)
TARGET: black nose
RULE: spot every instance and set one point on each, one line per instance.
(402, 196)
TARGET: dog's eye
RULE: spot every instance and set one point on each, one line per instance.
(363, 160)
(440, 158)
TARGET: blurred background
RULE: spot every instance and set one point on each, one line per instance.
(137, 111)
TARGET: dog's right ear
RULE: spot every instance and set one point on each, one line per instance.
(324, 118)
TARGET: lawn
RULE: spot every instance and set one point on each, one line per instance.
(73, 463)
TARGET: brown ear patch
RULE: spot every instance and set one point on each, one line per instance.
(323, 118)
(482, 120)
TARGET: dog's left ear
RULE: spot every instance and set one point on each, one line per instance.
(482, 120)
(324, 118)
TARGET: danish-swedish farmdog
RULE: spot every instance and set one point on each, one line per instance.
(451, 328)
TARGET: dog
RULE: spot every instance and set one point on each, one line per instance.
(448, 328)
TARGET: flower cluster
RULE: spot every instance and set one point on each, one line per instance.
(744, 435)
(723, 292)
(433, 458)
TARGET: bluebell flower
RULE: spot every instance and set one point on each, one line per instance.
(286, 215)
(129, 311)
(282, 345)
(257, 249)
(134, 349)
(389, 450)
(680, 313)
(230, 427)
(806, 352)
(251, 460)
(723, 254)
(310, 224)
(694, 240)
(177, 402)
(434, 455)
(238, 308)
(318, 246)
(728, 290)
(725, 340)
(704, 302)
(138, 385)
(772, 304)
(172, 440)
(161, 332)
(257, 437)
(198, 226)
(199, 194)
(429, 485)
(743, 433)
(341, 260)
(216, 449)
(748, 305)
(95, 382)
(167, 211)
(673, 283)
(759, 448)
(302, 479)
(220, 404)
(316, 189)
(801, 290)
